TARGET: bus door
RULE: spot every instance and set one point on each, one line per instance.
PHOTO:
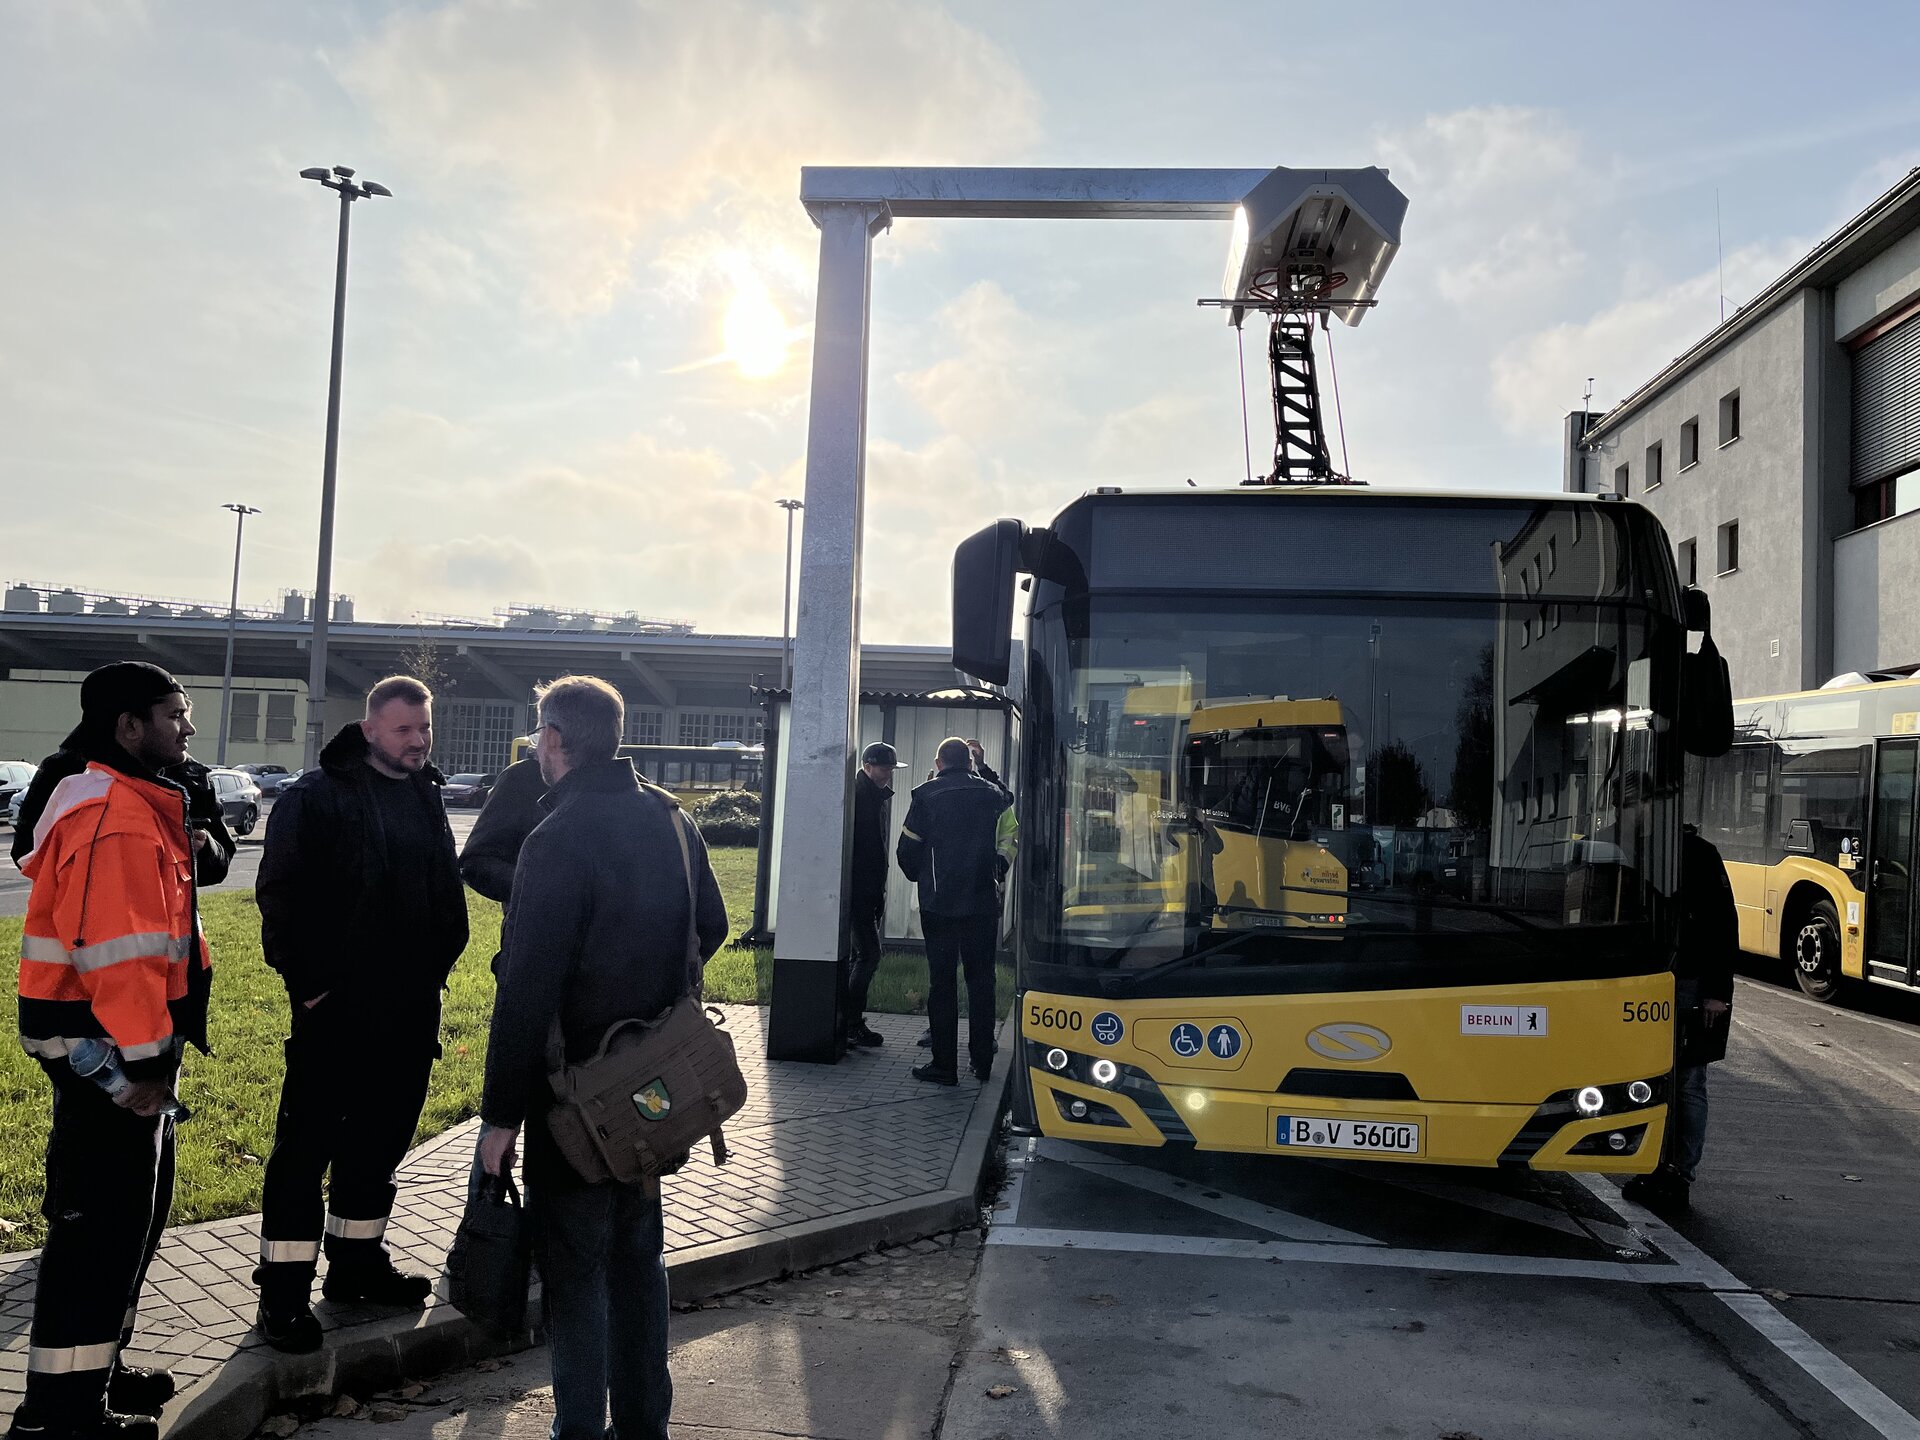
(1890, 889)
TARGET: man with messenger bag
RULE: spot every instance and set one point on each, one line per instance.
(615, 908)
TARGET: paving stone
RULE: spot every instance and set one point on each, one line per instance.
(813, 1142)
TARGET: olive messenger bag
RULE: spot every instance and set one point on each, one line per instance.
(654, 1088)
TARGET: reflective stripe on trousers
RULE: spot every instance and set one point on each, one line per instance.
(355, 1229)
(289, 1252)
(43, 1360)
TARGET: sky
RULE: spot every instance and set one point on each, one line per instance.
(577, 339)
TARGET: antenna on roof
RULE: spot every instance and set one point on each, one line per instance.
(1720, 246)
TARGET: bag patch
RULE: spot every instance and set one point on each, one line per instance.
(652, 1100)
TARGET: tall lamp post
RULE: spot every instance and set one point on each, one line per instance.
(786, 602)
(339, 179)
(240, 513)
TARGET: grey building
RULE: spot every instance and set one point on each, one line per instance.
(1782, 453)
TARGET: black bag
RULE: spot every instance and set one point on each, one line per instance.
(490, 1265)
(1703, 1038)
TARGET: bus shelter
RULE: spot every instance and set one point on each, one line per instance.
(914, 724)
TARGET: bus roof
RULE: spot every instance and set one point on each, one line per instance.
(1273, 712)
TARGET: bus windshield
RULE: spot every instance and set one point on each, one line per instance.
(1279, 793)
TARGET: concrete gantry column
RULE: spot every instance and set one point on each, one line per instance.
(819, 750)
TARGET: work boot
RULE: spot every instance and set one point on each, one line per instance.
(288, 1325)
(934, 1075)
(375, 1284)
(865, 1036)
(137, 1390)
(101, 1424)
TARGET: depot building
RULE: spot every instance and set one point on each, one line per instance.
(1782, 453)
(681, 687)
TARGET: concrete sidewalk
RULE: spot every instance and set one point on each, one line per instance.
(828, 1162)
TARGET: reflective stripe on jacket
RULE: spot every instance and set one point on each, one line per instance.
(111, 937)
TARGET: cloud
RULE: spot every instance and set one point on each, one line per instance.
(1005, 373)
(1495, 190)
(1540, 377)
(612, 133)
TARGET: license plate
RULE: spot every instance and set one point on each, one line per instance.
(1365, 1136)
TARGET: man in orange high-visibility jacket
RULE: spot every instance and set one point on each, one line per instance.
(112, 950)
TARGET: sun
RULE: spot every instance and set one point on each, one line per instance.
(756, 332)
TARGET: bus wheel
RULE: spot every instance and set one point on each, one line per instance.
(1816, 952)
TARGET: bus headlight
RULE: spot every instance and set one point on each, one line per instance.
(1105, 1072)
(1639, 1092)
(1056, 1059)
(1590, 1101)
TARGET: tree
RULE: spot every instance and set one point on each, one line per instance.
(422, 660)
(1470, 789)
(1399, 785)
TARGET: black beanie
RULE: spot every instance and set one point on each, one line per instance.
(121, 689)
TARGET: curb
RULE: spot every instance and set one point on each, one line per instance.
(384, 1354)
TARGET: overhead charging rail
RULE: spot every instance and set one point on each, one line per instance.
(1308, 246)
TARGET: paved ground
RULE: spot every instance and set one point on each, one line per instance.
(817, 1148)
(246, 860)
(1130, 1294)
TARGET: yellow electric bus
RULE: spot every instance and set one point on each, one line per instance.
(1492, 676)
(1813, 812)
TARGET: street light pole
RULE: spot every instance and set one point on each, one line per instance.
(240, 513)
(786, 602)
(339, 178)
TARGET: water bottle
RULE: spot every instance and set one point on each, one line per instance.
(95, 1059)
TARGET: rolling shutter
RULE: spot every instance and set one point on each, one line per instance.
(1886, 404)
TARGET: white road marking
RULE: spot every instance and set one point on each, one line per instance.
(1378, 1256)
(1617, 1237)
(1020, 1159)
(1187, 1192)
(1828, 1370)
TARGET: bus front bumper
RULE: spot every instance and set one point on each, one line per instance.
(1134, 1109)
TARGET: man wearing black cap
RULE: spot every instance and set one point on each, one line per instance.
(867, 886)
(111, 952)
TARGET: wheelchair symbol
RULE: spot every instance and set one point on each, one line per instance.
(1187, 1041)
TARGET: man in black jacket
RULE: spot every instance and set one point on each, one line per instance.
(363, 915)
(508, 817)
(957, 844)
(867, 885)
(1702, 1008)
(597, 934)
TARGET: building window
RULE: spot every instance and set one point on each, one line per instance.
(1620, 478)
(279, 718)
(1654, 477)
(1730, 418)
(1729, 546)
(243, 721)
(704, 727)
(644, 727)
(474, 737)
(1689, 558)
(1690, 443)
(1884, 499)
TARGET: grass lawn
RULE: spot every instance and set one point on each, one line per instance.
(234, 1094)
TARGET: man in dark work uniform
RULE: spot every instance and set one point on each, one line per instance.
(363, 914)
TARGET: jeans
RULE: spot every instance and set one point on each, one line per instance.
(863, 941)
(604, 1293)
(966, 942)
(1690, 1097)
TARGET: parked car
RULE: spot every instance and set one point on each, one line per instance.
(13, 807)
(239, 799)
(15, 776)
(271, 779)
(467, 790)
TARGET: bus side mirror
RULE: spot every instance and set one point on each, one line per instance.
(1706, 691)
(984, 567)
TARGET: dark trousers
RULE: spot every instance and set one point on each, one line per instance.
(109, 1188)
(863, 946)
(355, 1084)
(966, 942)
(604, 1299)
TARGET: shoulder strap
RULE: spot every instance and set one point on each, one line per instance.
(681, 820)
